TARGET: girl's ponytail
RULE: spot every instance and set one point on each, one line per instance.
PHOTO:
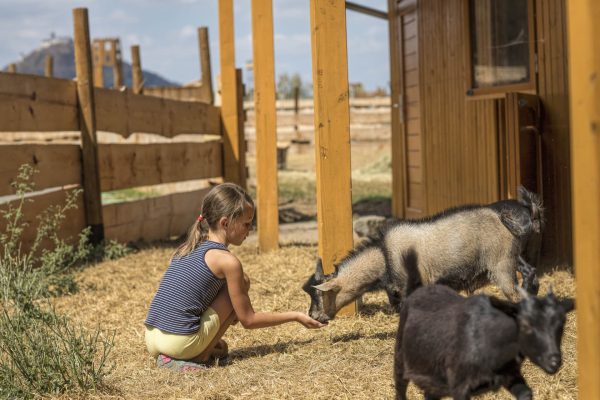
(224, 200)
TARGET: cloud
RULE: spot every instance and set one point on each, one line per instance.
(188, 31)
(122, 16)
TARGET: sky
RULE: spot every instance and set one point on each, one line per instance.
(166, 31)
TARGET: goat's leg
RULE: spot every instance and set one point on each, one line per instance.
(394, 299)
(515, 383)
(530, 280)
(505, 277)
(401, 382)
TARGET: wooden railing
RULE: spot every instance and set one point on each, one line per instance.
(47, 105)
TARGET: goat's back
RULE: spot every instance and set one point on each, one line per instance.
(462, 242)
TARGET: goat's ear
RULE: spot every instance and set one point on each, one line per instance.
(329, 286)
(319, 274)
(567, 304)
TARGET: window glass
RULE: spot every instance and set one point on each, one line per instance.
(499, 42)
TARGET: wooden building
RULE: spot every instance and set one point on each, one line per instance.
(481, 93)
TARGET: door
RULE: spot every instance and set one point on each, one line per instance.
(522, 145)
(409, 108)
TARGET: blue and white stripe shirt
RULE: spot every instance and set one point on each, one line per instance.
(186, 290)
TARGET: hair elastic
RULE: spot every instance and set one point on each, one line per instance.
(200, 218)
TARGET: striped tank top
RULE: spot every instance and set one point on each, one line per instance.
(186, 290)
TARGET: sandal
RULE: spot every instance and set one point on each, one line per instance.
(163, 361)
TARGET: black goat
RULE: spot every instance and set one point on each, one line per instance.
(450, 345)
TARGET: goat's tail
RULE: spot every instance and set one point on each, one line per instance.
(413, 276)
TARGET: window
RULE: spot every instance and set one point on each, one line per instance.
(501, 46)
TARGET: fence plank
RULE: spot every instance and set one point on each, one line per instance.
(130, 165)
(74, 221)
(151, 219)
(125, 113)
(37, 104)
(46, 158)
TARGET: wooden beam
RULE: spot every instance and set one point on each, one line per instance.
(584, 71)
(332, 132)
(115, 56)
(49, 66)
(126, 165)
(153, 218)
(204, 44)
(266, 125)
(30, 103)
(58, 164)
(126, 113)
(136, 70)
(366, 10)
(89, 142)
(99, 56)
(396, 97)
(230, 113)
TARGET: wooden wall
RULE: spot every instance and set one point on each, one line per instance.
(461, 133)
(553, 88)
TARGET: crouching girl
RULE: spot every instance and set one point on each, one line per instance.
(205, 289)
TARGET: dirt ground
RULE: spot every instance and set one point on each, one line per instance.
(351, 358)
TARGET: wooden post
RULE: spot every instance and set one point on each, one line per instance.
(297, 135)
(117, 64)
(136, 70)
(99, 57)
(266, 125)
(207, 89)
(332, 132)
(584, 71)
(397, 142)
(241, 91)
(12, 68)
(49, 66)
(232, 145)
(89, 143)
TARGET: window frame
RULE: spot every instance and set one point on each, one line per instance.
(501, 90)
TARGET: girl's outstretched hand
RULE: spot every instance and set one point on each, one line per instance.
(308, 322)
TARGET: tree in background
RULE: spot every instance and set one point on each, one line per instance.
(287, 83)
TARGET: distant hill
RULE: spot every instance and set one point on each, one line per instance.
(61, 49)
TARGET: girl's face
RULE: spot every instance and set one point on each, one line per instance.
(238, 229)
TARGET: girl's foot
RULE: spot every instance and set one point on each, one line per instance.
(163, 361)
(221, 349)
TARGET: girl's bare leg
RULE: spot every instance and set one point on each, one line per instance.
(224, 309)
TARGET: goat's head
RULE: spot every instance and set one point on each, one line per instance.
(534, 204)
(322, 290)
(541, 323)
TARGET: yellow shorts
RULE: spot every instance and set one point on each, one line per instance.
(183, 347)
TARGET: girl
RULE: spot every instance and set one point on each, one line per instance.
(205, 289)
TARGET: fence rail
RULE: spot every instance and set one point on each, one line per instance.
(48, 105)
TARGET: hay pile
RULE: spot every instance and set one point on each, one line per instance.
(351, 358)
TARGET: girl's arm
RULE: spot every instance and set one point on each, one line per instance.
(242, 306)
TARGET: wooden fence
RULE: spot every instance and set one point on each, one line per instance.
(42, 104)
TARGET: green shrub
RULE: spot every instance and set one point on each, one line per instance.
(41, 351)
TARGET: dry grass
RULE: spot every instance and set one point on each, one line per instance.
(352, 358)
